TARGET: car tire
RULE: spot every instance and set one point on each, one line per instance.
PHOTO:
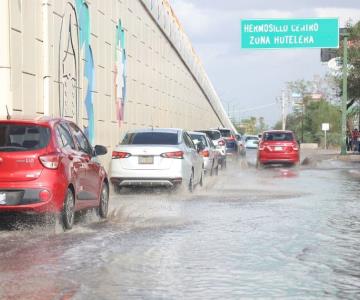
(217, 169)
(223, 165)
(117, 188)
(201, 182)
(296, 165)
(104, 201)
(191, 186)
(259, 165)
(212, 169)
(68, 211)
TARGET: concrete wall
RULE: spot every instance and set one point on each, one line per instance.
(109, 65)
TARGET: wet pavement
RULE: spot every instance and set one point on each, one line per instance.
(272, 233)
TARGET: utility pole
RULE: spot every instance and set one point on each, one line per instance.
(302, 120)
(344, 96)
(283, 109)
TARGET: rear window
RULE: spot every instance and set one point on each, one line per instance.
(278, 136)
(251, 138)
(230, 144)
(225, 132)
(214, 135)
(150, 138)
(16, 137)
(200, 138)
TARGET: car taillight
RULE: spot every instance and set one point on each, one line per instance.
(175, 154)
(119, 154)
(295, 147)
(221, 143)
(261, 146)
(204, 153)
(50, 161)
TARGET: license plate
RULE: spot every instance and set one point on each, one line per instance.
(2, 198)
(146, 160)
(278, 148)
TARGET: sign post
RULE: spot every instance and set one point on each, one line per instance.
(289, 33)
(325, 128)
(344, 95)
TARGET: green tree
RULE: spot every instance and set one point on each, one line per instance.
(248, 126)
(261, 125)
(354, 61)
(307, 123)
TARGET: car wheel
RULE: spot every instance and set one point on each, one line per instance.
(212, 169)
(68, 211)
(104, 201)
(201, 182)
(223, 165)
(191, 182)
(217, 169)
(296, 165)
(117, 188)
(259, 165)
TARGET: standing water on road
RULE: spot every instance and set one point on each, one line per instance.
(275, 232)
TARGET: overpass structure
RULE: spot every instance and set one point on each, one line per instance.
(108, 65)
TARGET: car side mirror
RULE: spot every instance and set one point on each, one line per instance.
(200, 147)
(100, 150)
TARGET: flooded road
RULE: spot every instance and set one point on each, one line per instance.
(275, 232)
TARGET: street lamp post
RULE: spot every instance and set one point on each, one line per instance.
(302, 121)
(344, 95)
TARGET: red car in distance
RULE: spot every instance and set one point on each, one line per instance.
(278, 146)
(47, 165)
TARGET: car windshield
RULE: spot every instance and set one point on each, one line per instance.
(199, 137)
(214, 135)
(278, 136)
(252, 138)
(150, 138)
(225, 132)
(18, 137)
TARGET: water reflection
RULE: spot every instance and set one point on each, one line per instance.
(274, 233)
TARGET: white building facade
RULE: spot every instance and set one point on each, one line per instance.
(109, 65)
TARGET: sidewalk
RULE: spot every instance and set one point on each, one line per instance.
(334, 154)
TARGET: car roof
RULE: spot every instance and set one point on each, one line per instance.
(207, 130)
(197, 133)
(167, 130)
(224, 129)
(34, 119)
(279, 131)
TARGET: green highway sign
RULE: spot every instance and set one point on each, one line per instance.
(289, 33)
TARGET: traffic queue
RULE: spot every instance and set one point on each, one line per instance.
(48, 166)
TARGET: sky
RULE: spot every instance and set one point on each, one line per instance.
(249, 81)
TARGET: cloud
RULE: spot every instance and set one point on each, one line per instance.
(344, 14)
(254, 78)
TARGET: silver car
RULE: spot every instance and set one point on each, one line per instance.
(219, 143)
(156, 157)
(209, 152)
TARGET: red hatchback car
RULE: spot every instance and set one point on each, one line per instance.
(47, 165)
(278, 146)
